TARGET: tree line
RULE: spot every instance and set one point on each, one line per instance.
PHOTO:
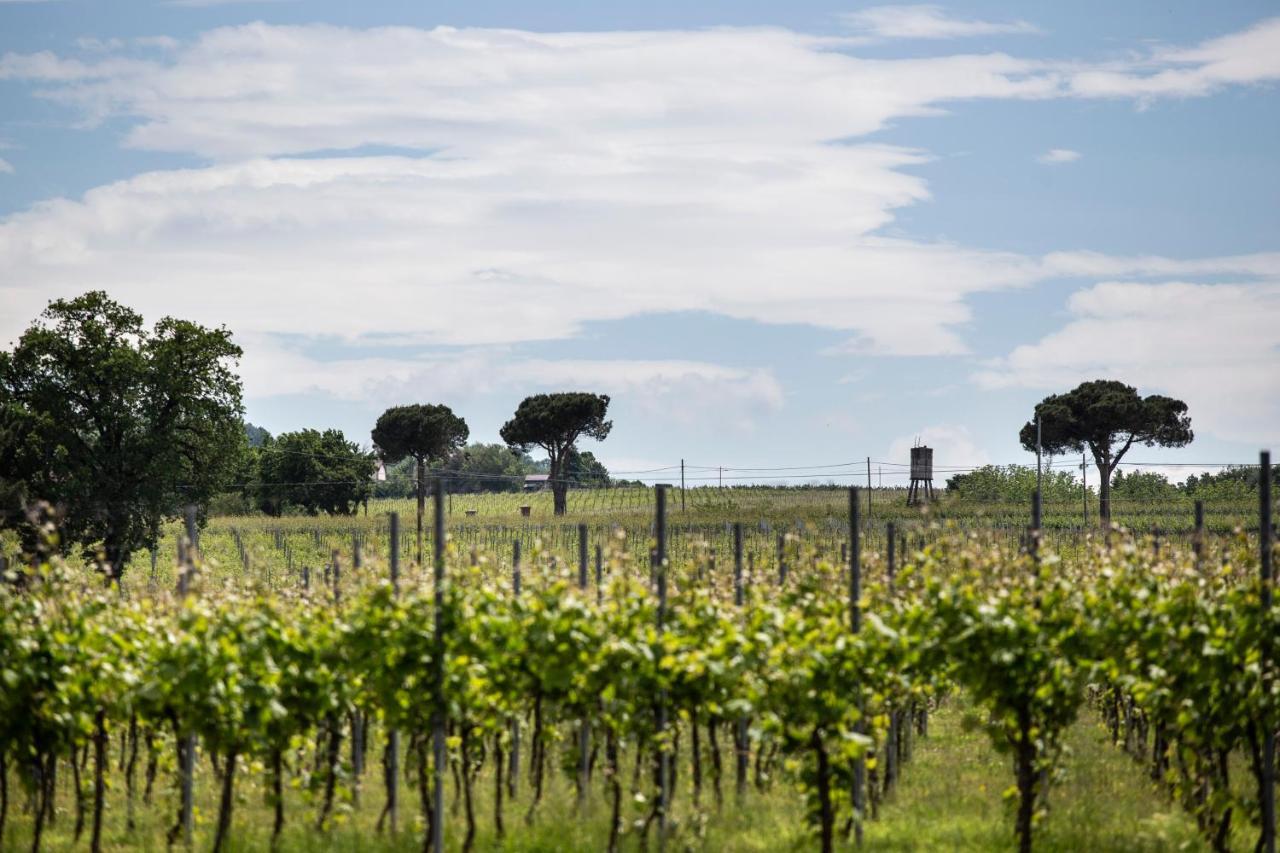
(109, 428)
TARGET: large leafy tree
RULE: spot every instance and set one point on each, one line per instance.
(1108, 417)
(555, 422)
(424, 433)
(115, 424)
(313, 471)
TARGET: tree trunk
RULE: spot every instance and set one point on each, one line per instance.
(1025, 757)
(1105, 467)
(99, 778)
(826, 813)
(559, 486)
(227, 800)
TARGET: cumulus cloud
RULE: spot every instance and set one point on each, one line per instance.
(1217, 346)
(954, 446)
(6, 168)
(926, 21)
(680, 392)
(1250, 56)
(1059, 155)
(562, 179)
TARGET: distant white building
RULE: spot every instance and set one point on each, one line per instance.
(536, 482)
(380, 475)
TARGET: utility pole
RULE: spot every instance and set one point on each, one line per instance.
(722, 476)
(1084, 489)
(868, 489)
(1039, 494)
(682, 485)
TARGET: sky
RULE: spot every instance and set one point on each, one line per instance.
(779, 235)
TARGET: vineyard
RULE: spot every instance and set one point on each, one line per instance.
(639, 686)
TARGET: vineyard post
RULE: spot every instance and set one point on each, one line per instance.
(1197, 540)
(513, 771)
(437, 726)
(855, 623)
(738, 599)
(1084, 488)
(393, 736)
(584, 727)
(599, 574)
(868, 490)
(1033, 535)
(187, 770)
(660, 569)
(337, 572)
(891, 737)
(782, 559)
(1268, 792)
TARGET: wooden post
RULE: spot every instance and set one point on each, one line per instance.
(739, 597)
(891, 736)
(1197, 539)
(337, 575)
(599, 574)
(868, 490)
(188, 766)
(1268, 792)
(584, 726)
(513, 768)
(438, 724)
(392, 779)
(682, 485)
(782, 559)
(664, 756)
(855, 624)
(1033, 535)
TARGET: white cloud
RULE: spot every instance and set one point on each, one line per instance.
(953, 446)
(926, 21)
(680, 392)
(1250, 56)
(6, 168)
(1059, 155)
(1215, 346)
(573, 177)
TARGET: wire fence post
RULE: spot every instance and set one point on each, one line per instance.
(740, 732)
(664, 754)
(188, 767)
(1268, 792)
(392, 777)
(855, 623)
(1197, 540)
(438, 724)
(513, 769)
(584, 726)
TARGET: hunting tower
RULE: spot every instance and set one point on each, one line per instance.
(921, 476)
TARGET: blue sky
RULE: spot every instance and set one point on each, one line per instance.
(776, 234)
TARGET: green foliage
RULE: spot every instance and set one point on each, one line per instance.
(311, 472)
(423, 432)
(1143, 485)
(1104, 413)
(117, 425)
(555, 422)
(1013, 484)
(1108, 417)
(486, 468)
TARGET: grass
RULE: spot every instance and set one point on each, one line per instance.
(949, 799)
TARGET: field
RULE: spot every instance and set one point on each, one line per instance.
(598, 685)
